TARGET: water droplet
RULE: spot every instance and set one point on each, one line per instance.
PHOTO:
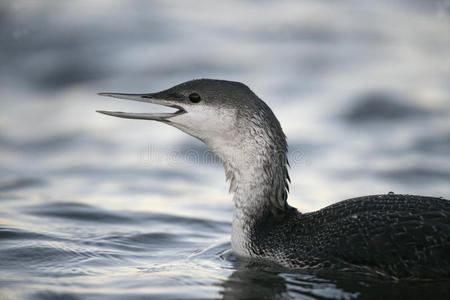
(391, 193)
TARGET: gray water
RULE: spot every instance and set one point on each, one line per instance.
(94, 207)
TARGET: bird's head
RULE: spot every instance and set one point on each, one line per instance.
(214, 111)
(206, 109)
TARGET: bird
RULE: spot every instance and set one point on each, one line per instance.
(393, 236)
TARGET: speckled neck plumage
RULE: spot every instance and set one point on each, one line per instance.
(255, 163)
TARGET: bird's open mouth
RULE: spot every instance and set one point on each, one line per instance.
(144, 116)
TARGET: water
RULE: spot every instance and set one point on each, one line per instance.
(93, 207)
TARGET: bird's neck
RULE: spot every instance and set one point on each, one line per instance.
(259, 180)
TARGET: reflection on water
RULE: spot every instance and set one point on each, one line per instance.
(95, 207)
(253, 280)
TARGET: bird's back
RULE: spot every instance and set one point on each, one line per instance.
(400, 236)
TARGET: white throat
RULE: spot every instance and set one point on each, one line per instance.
(258, 178)
(249, 141)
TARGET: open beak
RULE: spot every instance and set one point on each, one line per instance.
(150, 98)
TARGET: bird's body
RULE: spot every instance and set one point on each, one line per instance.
(396, 236)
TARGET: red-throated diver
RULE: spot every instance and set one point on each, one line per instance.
(398, 236)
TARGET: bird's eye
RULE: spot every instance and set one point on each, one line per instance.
(194, 97)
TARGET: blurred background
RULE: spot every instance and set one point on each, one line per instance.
(361, 89)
